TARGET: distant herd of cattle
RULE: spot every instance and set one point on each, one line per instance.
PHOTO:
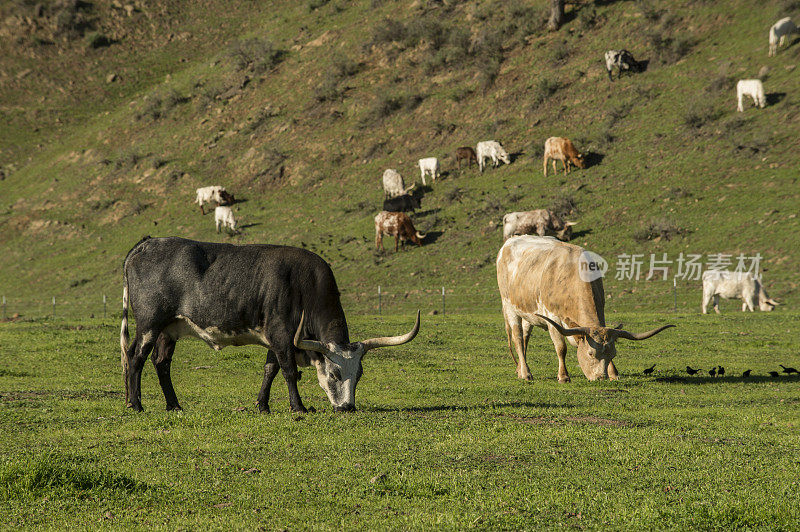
(292, 304)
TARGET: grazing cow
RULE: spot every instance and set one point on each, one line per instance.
(753, 88)
(404, 203)
(429, 165)
(223, 217)
(490, 149)
(778, 34)
(542, 284)
(393, 184)
(213, 194)
(623, 60)
(562, 149)
(467, 153)
(279, 297)
(542, 222)
(398, 225)
(731, 285)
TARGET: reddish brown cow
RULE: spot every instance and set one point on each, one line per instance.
(398, 225)
(466, 153)
(561, 149)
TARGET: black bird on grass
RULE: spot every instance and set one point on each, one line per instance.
(713, 372)
(691, 371)
(746, 373)
(649, 370)
(773, 374)
(720, 371)
(788, 370)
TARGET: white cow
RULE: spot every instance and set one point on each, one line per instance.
(491, 149)
(779, 32)
(213, 194)
(393, 184)
(429, 165)
(731, 285)
(753, 88)
(223, 217)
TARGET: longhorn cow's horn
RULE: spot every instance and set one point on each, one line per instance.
(570, 223)
(307, 345)
(641, 336)
(387, 341)
(772, 302)
(421, 236)
(566, 332)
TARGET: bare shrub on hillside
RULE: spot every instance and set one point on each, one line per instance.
(255, 55)
(699, 113)
(669, 49)
(389, 30)
(313, 5)
(563, 204)
(386, 105)
(721, 83)
(587, 17)
(544, 89)
(330, 88)
(560, 52)
(524, 20)
(659, 228)
(159, 103)
(650, 12)
(487, 48)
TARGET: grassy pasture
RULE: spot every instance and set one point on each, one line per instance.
(445, 435)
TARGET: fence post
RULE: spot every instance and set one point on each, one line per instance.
(104, 305)
(54, 306)
(675, 291)
(443, 306)
(379, 300)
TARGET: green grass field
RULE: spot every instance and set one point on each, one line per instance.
(445, 436)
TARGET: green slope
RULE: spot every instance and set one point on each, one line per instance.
(299, 108)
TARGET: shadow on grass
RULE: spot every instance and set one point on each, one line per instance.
(247, 226)
(581, 234)
(431, 237)
(593, 158)
(775, 97)
(467, 408)
(756, 379)
(516, 155)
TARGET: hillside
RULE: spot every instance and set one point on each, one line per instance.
(114, 113)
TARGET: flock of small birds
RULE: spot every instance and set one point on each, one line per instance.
(719, 371)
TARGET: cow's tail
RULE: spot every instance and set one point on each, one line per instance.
(124, 336)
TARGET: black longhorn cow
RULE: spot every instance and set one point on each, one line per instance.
(280, 297)
(403, 203)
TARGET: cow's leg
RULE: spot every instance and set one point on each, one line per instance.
(739, 106)
(545, 165)
(144, 344)
(555, 167)
(515, 324)
(396, 242)
(271, 368)
(162, 360)
(706, 300)
(716, 304)
(290, 374)
(508, 337)
(609, 74)
(612, 371)
(561, 353)
(126, 369)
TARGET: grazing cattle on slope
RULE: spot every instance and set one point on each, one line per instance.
(623, 60)
(542, 222)
(542, 284)
(398, 225)
(404, 203)
(778, 34)
(213, 194)
(490, 149)
(393, 184)
(223, 217)
(732, 285)
(465, 152)
(429, 166)
(279, 297)
(562, 149)
(753, 88)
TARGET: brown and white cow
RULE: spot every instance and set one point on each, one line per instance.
(542, 222)
(558, 286)
(398, 225)
(562, 149)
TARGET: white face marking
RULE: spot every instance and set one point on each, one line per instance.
(338, 372)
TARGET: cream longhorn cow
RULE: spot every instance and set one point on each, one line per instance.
(557, 286)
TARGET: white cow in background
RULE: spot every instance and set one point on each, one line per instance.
(732, 285)
(429, 165)
(778, 34)
(753, 88)
(223, 217)
(393, 184)
(490, 149)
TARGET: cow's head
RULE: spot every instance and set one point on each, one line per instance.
(339, 366)
(565, 234)
(596, 345)
(503, 156)
(579, 160)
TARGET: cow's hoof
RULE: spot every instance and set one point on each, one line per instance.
(135, 408)
(311, 409)
(263, 409)
(564, 379)
(174, 407)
